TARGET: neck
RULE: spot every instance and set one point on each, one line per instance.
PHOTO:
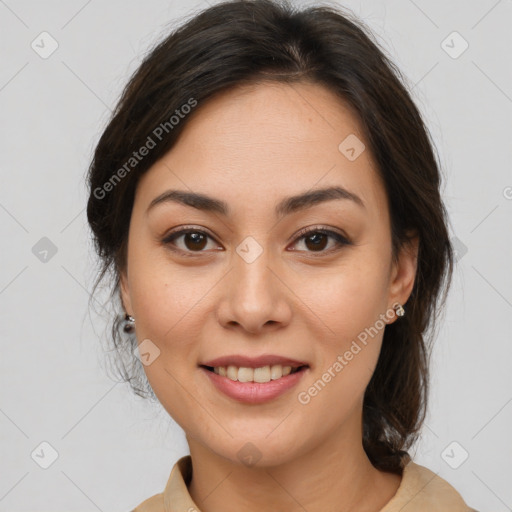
(334, 476)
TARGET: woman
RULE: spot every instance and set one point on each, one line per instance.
(267, 197)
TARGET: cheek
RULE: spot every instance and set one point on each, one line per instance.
(167, 305)
(346, 300)
(346, 355)
(164, 295)
(347, 307)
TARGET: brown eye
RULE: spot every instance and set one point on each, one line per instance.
(194, 241)
(316, 240)
(188, 241)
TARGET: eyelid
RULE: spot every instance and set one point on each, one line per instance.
(186, 229)
(321, 229)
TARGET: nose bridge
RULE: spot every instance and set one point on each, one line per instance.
(252, 275)
(253, 297)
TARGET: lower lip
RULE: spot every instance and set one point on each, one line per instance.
(254, 392)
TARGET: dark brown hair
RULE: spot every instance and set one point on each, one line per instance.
(247, 42)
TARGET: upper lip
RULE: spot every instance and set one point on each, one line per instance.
(253, 362)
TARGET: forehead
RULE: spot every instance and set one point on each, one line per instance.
(265, 141)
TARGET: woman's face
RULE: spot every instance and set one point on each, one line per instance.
(247, 282)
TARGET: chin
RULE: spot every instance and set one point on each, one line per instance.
(258, 450)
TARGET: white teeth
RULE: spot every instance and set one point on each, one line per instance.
(232, 372)
(245, 374)
(262, 374)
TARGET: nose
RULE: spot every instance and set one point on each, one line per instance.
(254, 297)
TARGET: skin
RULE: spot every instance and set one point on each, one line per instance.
(251, 147)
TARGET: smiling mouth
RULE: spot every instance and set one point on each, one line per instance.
(259, 375)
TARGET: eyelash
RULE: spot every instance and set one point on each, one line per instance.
(340, 240)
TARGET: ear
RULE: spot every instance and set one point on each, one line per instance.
(403, 273)
(125, 292)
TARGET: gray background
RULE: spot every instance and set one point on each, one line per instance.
(114, 449)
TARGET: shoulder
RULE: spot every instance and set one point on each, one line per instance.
(422, 490)
(153, 504)
(175, 492)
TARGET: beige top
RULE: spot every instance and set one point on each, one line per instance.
(420, 490)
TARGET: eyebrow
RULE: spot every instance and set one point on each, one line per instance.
(286, 206)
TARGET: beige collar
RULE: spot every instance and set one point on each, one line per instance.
(420, 489)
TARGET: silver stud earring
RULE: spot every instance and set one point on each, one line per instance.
(399, 310)
(129, 323)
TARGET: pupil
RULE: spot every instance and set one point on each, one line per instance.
(197, 240)
(315, 240)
